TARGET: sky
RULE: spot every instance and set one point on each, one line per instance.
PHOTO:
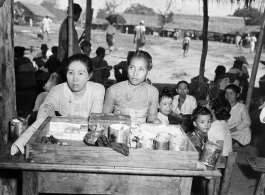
(180, 7)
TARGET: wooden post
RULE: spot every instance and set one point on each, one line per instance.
(256, 62)
(205, 44)
(70, 28)
(7, 72)
(89, 16)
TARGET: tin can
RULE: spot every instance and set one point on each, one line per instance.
(210, 154)
(161, 142)
(119, 133)
(178, 143)
(17, 127)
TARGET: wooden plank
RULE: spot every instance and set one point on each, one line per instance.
(68, 183)
(101, 156)
(226, 178)
(261, 187)
(30, 183)
(257, 164)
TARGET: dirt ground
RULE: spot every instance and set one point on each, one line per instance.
(169, 67)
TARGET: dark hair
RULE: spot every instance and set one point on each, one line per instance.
(100, 51)
(84, 59)
(164, 95)
(234, 87)
(238, 64)
(129, 55)
(183, 82)
(220, 70)
(221, 108)
(76, 8)
(200, 110)
(142, 54)
(54, 49)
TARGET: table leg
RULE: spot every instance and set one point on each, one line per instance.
(9, 182)
(261, 186)
(30, 183)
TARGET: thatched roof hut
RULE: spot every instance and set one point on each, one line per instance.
(247, 29)
(222, 25)
(36, 12)
(150, 21)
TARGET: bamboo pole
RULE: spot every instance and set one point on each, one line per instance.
(205, 44)
(89, 14)
(256, 62)
(70, 28)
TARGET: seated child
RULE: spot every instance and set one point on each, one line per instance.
(202, 119)
(219, 130)
(53, 80)
(183, 104)
(165, 107)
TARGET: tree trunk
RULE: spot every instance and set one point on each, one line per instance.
(89, 15)
(205, 44)
(256, 61)
(70, 28)
(7, 72)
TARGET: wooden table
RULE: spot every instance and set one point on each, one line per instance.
(99, 171)
(258, 164)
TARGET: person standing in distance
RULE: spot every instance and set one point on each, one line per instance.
(110, 36)
(46, 26)
(139, 36)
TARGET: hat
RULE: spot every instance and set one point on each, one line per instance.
(43, 46)
(77, 8)
(84, 43)
(141, 22)
(242, 59)
(19, 49)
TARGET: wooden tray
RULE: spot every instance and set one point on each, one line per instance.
(78, 153)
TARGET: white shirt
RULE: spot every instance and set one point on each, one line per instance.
(111, 29)
(46, 22)
(163, 118)
(253, 40)
(187, 107)
(219, 131)
(241, 120)
(262, 115)
(138, 29)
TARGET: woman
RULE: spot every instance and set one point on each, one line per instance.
(134, 97)
(76, 97)
(239, 121)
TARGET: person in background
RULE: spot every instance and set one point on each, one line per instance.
(41, 57)
(219, 130)
(46, 26)
(62, 55)
(238, 39)
(134, 97)
(165, 106)
(85, 46)
(239, 121)
(24, 70)
(30, 22)
(252, 42)
(101, 67)
(53, 63)
(176, 34)
(121, 69)
(76, 97)
(110, 32)
(186, 44)
(139, 36)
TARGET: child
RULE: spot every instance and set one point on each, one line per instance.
(183, 104)
(202, 119)
(219, 130)
(165, 106)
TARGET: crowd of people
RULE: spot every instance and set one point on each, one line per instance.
(74, 86)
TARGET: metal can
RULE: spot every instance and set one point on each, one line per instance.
(210, 154)
(17, 127)
(178, 143)
(161, 142)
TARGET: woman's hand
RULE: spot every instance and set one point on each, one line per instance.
(156, 121)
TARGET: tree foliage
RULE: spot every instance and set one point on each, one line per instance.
(139, 9)
(102, 13)
(111, 5)
(252, 16)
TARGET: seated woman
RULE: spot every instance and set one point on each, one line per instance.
(76, 97)
(239, 121)
(134, 97)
